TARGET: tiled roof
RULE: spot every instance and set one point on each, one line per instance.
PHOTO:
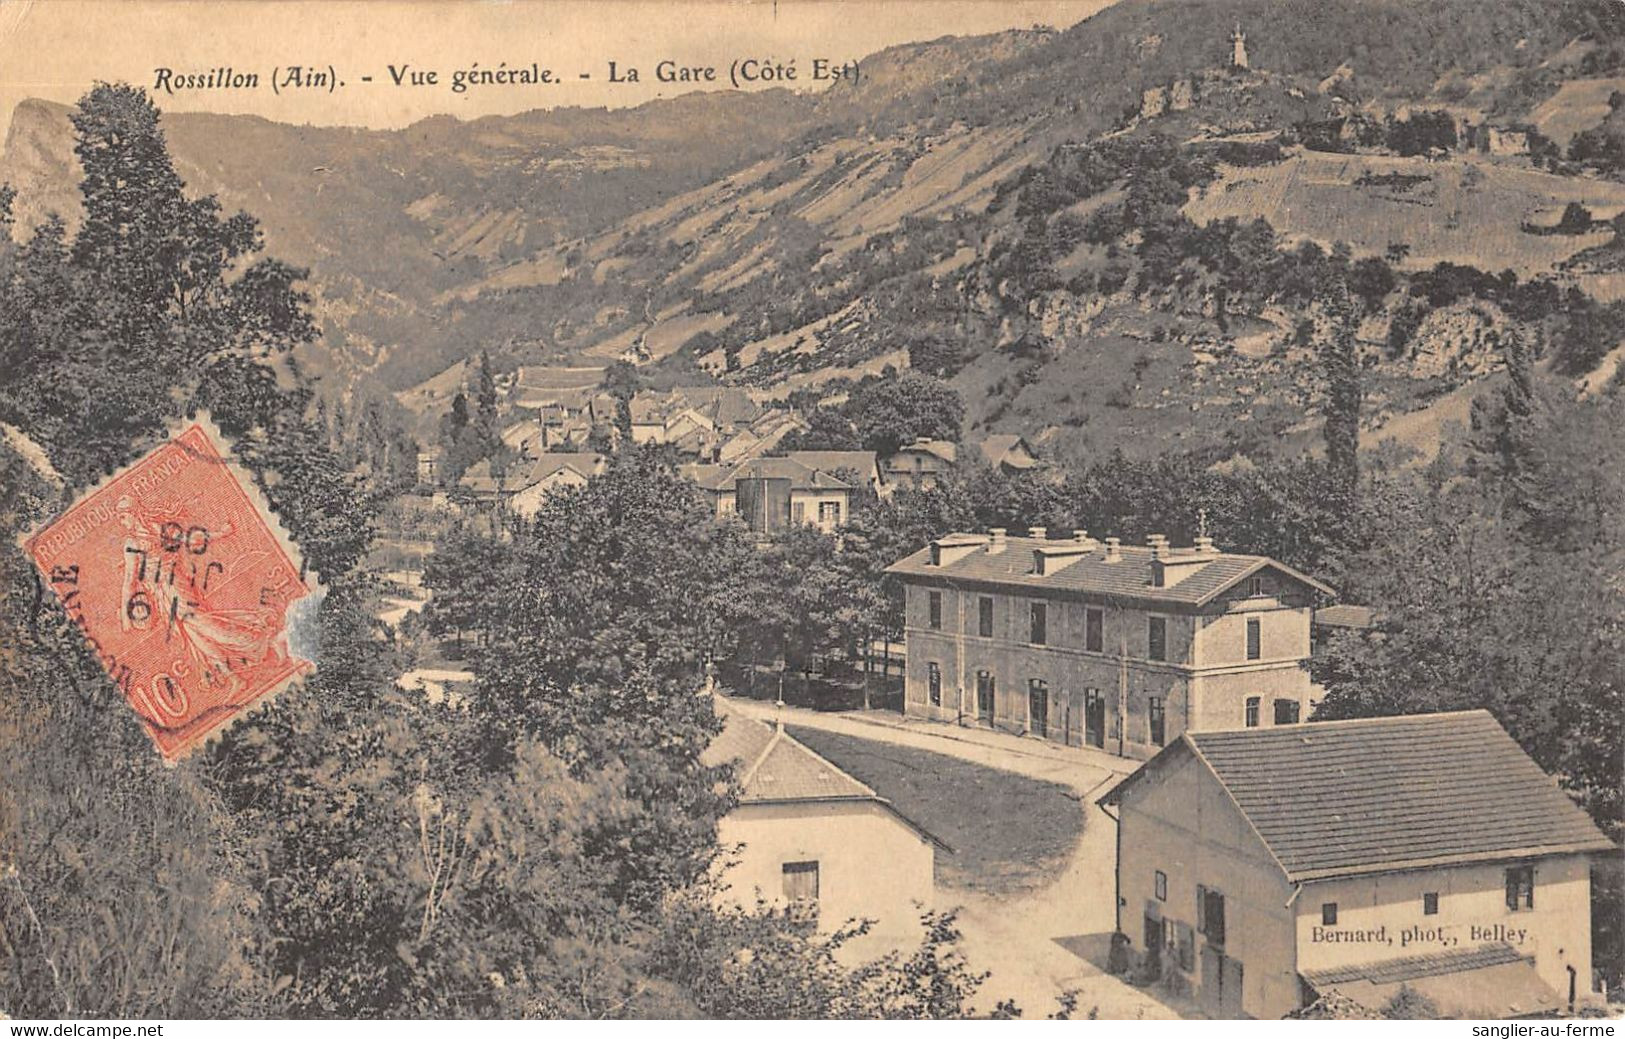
(1409, 968)
(521, 475)
(860, 462)
(945, 450)
(996, 450)
(1129, 577)
(1338, 798)
(587, 463)
(774, 767)
(724, 477)
(521, 431)
(723, 405)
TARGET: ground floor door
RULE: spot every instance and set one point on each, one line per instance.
(1221, 984)
(1211, 973)
(984, 697)
(1230, 988)
(1094, 718)
(1038, 708)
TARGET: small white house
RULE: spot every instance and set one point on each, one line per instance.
(810, 836)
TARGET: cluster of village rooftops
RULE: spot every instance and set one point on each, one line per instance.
(1263, 859)
(725, 437)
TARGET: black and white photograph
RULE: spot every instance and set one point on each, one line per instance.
(1094, 511)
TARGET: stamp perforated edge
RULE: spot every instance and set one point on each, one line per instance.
(315, 587)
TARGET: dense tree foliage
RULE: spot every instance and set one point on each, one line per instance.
(353, 849)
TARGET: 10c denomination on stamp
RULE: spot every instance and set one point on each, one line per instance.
(179, 577)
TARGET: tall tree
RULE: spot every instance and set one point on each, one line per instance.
(1340, 360)
(892, 412)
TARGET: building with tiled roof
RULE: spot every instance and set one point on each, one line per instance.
(524, 484)
(697, 418)
(1272, 866)
(811, 835)
(771, 495)
(1010, 452)
(1096, 643)
(920, 465)
(865, 464)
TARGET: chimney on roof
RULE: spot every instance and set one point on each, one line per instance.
(997, 543)
(1112, 546)
(1158, 543)
(1038, 533)
(922, 440)
(951, 549)
(1052, 556)
(1172, 566)
(1079, 534)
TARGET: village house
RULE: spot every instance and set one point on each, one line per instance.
(811, 837)
(525, 484)
(771, 495)
(429, 467)
(761, 436)
(919, 465)
(863, 465)
(1096, 643)
(696, 420)
(1269, 867)
(1010, 453)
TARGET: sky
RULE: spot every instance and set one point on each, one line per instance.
(56, 49)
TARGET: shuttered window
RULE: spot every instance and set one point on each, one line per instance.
(801, 881)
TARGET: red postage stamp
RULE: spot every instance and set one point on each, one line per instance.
(182, 581)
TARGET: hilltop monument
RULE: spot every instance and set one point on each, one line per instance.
(1238, 55)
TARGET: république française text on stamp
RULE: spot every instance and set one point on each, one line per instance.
(179, 577)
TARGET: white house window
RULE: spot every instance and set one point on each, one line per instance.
(1328, 913)
(801, 884)
(1255, 587)
(1254, 641)
(934, 683)
(1160, 885)
(1252, 712)
(829, 513)
(933, 601)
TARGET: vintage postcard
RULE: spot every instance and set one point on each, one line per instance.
(802, 510)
